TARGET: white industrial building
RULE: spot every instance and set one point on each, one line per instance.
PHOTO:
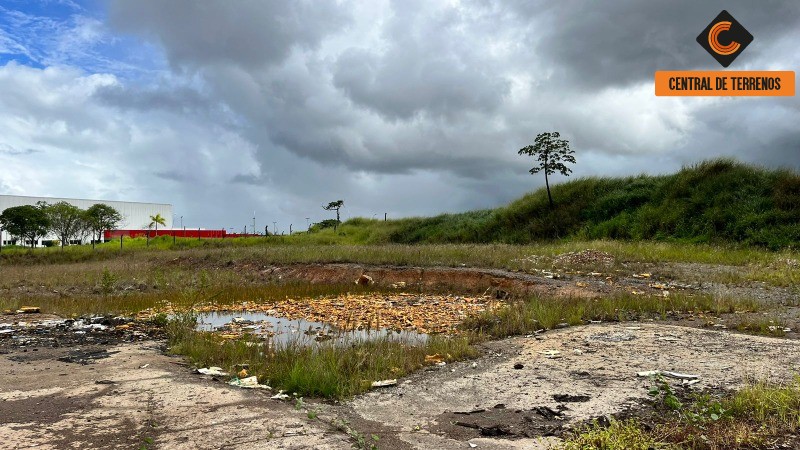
(134, 215)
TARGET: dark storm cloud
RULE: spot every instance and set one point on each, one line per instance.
(615, 43)
(250, 33)
(415, 107)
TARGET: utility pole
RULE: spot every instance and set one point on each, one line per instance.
(290, 229)
(274, 227)
(266, 230)
(384, 216)
(254, 222)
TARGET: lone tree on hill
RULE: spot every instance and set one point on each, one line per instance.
(101, 217)
(551, 152)
(27, 222)
(335, 206)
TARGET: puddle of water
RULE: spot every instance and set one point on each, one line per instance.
(281, 330)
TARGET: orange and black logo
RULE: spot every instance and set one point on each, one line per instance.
(725, 38)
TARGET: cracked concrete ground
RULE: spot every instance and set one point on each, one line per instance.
(598, 361)
(134, 396)
(140, 398)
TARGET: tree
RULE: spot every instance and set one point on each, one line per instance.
(27, 222)
(155, 221)
(65, 220)
(551, 152)
(101, 217)
(335, 206)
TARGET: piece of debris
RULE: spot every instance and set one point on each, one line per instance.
(474, 411)
(471, 445)
(642, 275)
(676, 375)
(547, 412)
(280, 396)
(518, 366)
(213, 371)
(434, 359)
(584, 257)
(144, 366)
(364, 280)
(248, 383)
(105, 382)
(552, 354)
(242, 373)
(399, 285)
(29, 309)
(569, 398)
(384, 383)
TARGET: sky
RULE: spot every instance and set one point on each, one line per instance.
(409, 107)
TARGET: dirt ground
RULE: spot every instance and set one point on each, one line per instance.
(112, 386)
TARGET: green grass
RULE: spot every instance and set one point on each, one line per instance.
(330, 369)
(756, 416)
(537, 312)
(713, 201)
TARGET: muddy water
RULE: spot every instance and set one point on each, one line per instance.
(282, 331)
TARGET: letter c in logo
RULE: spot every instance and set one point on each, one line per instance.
(713, 39)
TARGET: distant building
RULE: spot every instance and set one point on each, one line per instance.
(134, 214)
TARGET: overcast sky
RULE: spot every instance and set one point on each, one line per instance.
(411, 107)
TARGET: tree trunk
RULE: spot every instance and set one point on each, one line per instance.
(94, 240)
(547, 183)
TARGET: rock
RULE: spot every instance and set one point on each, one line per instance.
(518, 366)
(364, 280)
(568, 398)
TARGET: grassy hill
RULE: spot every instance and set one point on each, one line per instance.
(719, 201)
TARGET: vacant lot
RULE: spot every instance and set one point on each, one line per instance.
(488, 346)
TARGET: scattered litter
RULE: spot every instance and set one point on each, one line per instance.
(661, 286)
(518, 366)
(474, 365)
(435, 358)
(29, 309)
(668, 338)
(242, 373)
(633, 328)
(551, 354)
(577, 351)
(384, 383)
(280, 396)
(562, 325)
(689, 382)
(584, 257)
(399, 285)
(248, 383)
(105, 382)
(213, 371)
(642, 275)
(471, 445)
(676, 375)
(144, 366)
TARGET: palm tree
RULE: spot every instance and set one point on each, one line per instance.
(155, 221)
